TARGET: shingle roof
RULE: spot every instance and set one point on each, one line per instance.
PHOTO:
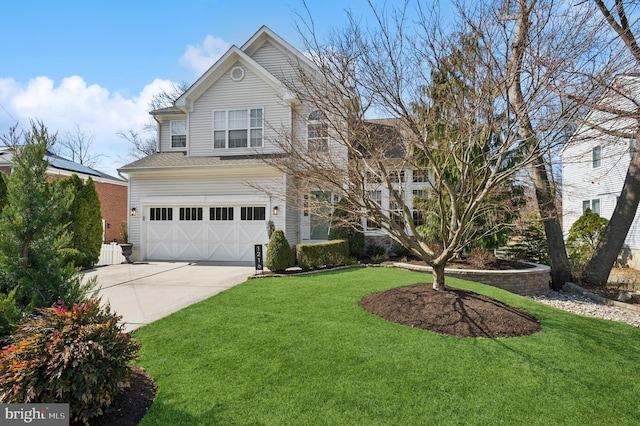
(180, 160)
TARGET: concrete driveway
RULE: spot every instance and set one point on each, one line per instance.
(145, 292)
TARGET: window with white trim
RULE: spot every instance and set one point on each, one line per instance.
(420, 196)
(597, 156)
(317, 133)
(397, 176)
(397, 212)
(375, 197)
(178, 133)
(420, 175)
(594, 205)
(221, 213)
(161, 213)
(253, 213)
(240, 128)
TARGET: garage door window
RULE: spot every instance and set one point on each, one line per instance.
(190, 213)
(160, 213)
(221, 213)
(252, 213)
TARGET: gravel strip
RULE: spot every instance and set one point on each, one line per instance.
(582, 305)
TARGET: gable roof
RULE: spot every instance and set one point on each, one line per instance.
(235, 54)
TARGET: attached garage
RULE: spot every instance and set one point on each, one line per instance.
(204, 233)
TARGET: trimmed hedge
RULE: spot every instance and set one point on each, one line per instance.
(330, 253)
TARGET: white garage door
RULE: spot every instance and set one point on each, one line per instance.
(215, 233)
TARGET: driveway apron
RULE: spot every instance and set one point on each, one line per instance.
(145, 292)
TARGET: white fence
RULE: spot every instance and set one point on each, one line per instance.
(111, 254)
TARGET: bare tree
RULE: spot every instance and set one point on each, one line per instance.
(622, 107)
(450, 148)
(77, 146)
(471, 108)
(549, 68)
(142, 144)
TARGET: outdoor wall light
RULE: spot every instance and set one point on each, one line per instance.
(134, 212)
(276, 211)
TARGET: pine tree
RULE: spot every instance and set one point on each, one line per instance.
(3, 190)
(33, 225)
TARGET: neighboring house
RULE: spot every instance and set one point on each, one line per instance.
(594, 164)
(208, 193)
(112, 191)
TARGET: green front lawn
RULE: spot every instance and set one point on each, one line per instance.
(301, 351)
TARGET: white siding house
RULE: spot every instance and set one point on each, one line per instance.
(205, 194)
(594, 164)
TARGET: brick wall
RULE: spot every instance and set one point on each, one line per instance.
(113, 203)
(5, 169)
(532, 281)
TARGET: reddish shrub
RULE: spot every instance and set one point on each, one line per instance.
(77, 355)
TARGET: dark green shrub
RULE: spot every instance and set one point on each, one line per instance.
(330, 253)
(9, 315)
(583, 239)
(531, 242)
(377, 253)
(85, 221)
(348, 227)
(400, 250)
(76, 355)
(279, 254)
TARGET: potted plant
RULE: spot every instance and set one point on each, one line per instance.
(126, 246)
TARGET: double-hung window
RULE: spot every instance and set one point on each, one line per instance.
(317, 133)
(240, 128)
(178, 133)
(376, 198)
(597, 156)
(594, 205)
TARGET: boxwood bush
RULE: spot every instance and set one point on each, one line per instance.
(77, 355)
(329, 253)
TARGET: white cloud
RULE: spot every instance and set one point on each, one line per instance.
(199, 58)
(97, 111)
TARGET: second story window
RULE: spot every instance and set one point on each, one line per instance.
(317, 133)
(239, 128)
(597, 156)
(178, 133)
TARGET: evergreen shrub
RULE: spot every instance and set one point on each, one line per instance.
(329, 253)
(279, 253)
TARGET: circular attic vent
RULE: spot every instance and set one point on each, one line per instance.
(237, 73)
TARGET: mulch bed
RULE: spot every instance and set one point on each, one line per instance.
(129, 408)
(458, 313)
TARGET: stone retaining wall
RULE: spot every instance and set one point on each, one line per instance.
(532, 281)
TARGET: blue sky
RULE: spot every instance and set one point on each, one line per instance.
(95, 64)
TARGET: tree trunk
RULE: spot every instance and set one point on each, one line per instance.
(560, 269)
(438, 277)
(599, 266)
